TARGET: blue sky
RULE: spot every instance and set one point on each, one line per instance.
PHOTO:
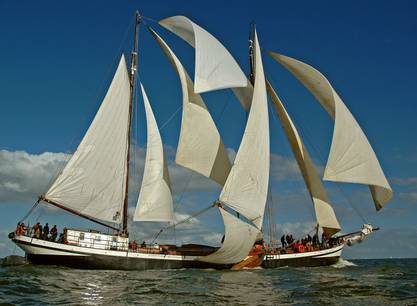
(57, 59)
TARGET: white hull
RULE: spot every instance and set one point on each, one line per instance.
(316, 258)
(46, 252)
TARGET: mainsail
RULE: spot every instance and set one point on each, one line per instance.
(155, 199)
(351, 158)
(215, 67)
(325, 214)
(200, 147)
(93, 181)
(246, 187)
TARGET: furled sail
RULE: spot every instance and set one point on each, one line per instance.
(351, 158)
(325, 214)
(238, 241)
(93, 181)
(200, 147)
(155, 199)
(246, 187)
(215, 67)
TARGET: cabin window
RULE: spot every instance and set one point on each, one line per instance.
(81, 236)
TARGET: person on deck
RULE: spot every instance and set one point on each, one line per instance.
(37, 230)
(45, 232)
(284, 244)
(324, 239)
(143, 244)
(18, 229)
(54, 233)
(288, 239)
(24, 228)
(316, 240)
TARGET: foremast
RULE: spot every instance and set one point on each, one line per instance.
(133, 70)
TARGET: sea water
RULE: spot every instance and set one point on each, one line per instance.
(354, 282)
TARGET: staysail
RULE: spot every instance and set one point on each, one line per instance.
(203, 154)
(93, 181)
(246, 187)
(239, 238)
(325, 214)
(215, 67)
(155, 199)
(351, 158)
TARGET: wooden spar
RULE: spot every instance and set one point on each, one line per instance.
(42, 198)
(133, 68)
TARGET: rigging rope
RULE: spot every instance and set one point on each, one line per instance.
(184, 220)
(170, 118)
(30, 211)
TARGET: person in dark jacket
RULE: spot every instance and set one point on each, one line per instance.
(54, 233)
(45, 232)
(284, 244)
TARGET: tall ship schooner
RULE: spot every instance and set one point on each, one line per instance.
(94, 184)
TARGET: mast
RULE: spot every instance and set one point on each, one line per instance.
(251, 55)
(133, 68)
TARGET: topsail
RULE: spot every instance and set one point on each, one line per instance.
(351, 158)
(200, 147)
(215, 67)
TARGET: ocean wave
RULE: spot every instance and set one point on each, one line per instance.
(343, 263)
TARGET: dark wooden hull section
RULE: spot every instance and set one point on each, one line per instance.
(299, 262)
(105, 262)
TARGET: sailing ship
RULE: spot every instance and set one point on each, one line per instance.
(94, 184)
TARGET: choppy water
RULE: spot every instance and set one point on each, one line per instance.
(356, 282)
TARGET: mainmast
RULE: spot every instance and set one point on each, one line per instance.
(133, 68)
(251, 54)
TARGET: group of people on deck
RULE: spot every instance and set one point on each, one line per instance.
(38, 231)
(306, 244)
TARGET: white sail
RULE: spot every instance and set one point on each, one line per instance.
(93, 181)
(246, 187)
(215, 67)
(239, 238)
(325, 214)
(155, 199)
(200, 147)
(351, 158)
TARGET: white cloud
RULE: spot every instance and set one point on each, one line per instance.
(25, 176)
(405, 181)
(410, 197)
(284, 168)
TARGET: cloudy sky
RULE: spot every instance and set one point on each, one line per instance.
(57, 58)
